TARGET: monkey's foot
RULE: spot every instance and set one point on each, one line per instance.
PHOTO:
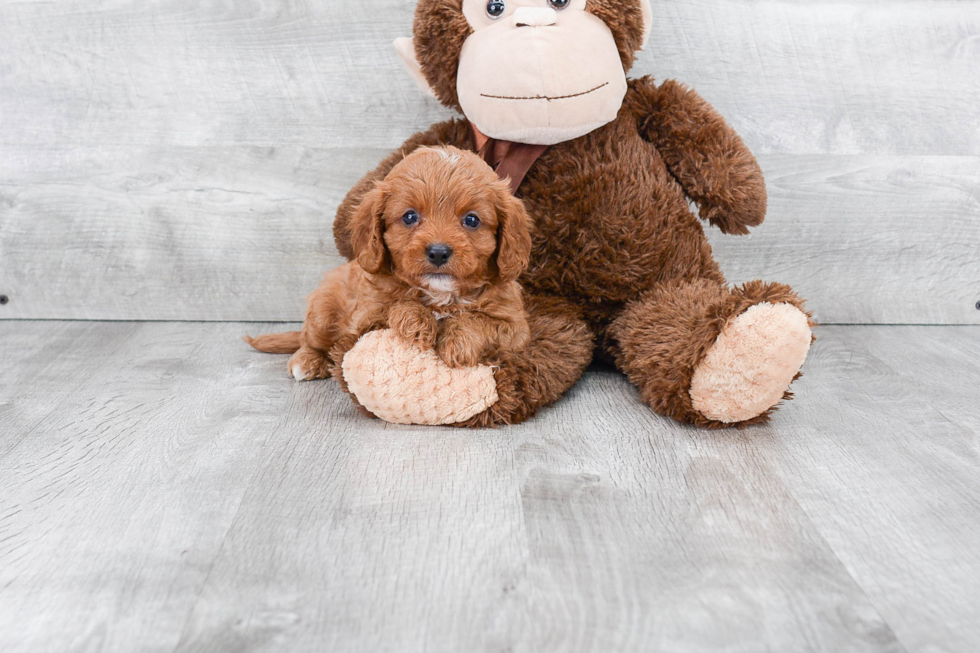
(752, 363)
(404, 384)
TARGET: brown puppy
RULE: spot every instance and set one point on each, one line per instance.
(439, 244)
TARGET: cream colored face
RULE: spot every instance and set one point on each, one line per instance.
(534, 73)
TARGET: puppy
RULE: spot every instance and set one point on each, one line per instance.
(439, 245)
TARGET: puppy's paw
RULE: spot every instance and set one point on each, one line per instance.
(457, 351)
(414, 323)
(309, 364)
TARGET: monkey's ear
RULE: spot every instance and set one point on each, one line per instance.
(367, 232)
(513, 235)
(405, 47)
(647, 21)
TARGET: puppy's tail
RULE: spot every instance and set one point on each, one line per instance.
(275, 343)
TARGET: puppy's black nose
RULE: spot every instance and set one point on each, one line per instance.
(438, 254)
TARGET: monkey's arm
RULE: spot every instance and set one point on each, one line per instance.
(704, 154)
(451, 132)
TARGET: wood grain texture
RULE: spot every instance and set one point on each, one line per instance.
(576, 532)
(244, 233)
(829, 77)
(884, 459)
(180, 234)
(868, 240)
(179, 160)
(859, 77)
(124, 452)
(164, 488)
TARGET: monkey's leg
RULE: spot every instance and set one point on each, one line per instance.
(711, 356)
(403, 384)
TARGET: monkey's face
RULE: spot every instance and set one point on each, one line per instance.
(530, 71)
(538, 71)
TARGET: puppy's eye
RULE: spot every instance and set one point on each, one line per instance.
(410, 218)
(471, 221)
(496, 8)
(558, 4)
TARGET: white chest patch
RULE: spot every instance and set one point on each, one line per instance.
(439, 283)
(440, 290)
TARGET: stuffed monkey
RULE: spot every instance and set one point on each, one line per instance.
(621, 268)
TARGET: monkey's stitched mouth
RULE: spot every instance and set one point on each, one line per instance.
(545, 97)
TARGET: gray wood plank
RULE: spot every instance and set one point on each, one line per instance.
(871, 77)
(851, 77)
(884, 457)
(38, 375)
(576, 532)
(120, 472)
(868, 240)
(185, 234)
(237, 233)
(596, 527)
(179, 161)
(165, 488)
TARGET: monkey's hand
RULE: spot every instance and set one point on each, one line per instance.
(401, 383)
(704, 154)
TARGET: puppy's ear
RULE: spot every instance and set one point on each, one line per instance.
(367, 232)
(513, 236)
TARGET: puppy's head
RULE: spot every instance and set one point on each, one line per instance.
(442, 220)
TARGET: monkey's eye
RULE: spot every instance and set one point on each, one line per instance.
(496, 8)
(471, 221)
(410, 218)
(558, 4)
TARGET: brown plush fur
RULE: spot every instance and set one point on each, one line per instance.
(618, 258)
(625, 21)
(661, 337)
(440, 30)
(390, 283)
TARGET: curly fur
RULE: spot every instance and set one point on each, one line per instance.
(475, 310)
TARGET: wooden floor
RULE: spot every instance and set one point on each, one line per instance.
(163, 488)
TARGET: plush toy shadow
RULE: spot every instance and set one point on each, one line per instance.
(621, 268)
